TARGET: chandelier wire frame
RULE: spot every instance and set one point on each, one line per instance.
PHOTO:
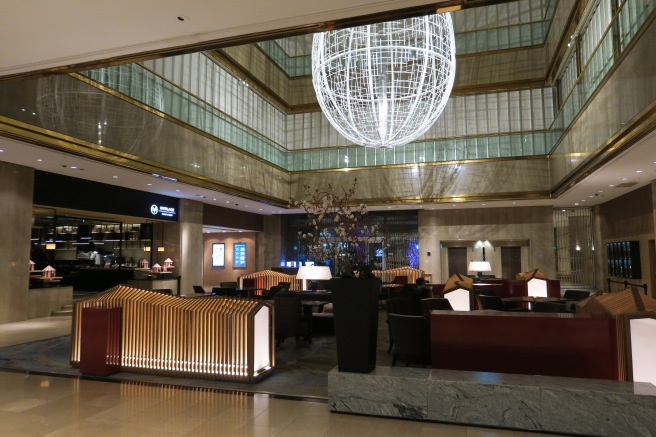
(383, 85)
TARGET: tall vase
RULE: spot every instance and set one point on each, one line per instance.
(355, 307)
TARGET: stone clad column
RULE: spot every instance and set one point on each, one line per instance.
(191, 245)
(16, 194)
(269, 243)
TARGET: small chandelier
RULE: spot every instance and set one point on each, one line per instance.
(385, 84)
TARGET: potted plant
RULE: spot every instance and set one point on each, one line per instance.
(340, 235)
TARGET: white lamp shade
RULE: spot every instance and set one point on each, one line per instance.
(479, 266)
(314, 272)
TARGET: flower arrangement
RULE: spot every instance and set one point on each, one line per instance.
(338, 230)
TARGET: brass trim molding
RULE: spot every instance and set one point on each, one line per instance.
(640, 126)
(493, 243)
(499, 51)
(460, 198)
(423, 164)
(55, 141)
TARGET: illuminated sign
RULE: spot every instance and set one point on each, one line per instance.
(239, 254)
(218, 255)
(162, 211)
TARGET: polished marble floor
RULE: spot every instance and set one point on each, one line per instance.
(41, 405)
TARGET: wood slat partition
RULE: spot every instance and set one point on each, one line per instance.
(202, 337)
(389, 274)
(269, 278)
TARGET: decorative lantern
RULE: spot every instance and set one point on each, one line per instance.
(385, 84)
(32, 264)
(168, 262)
(144, 264)
(157, 268)
(49, 272)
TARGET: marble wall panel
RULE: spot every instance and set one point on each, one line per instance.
(568, 406)
(386, 391)
(269, 243)
(534, 225)
(558, 26)
(250, 57)
(596, 407)
(630, 90)
(16, 192)
(487, 404)
(456, 181)
(500, 67)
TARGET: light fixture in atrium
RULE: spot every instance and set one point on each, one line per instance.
(385, 84)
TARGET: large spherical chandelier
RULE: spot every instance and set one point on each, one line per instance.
(385, 84)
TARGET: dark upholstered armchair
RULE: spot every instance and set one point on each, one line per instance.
(411, 339)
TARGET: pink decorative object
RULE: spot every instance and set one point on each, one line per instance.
(49, 272)
(157, 268)
(144, 264)
(32, 264)
(168, 262)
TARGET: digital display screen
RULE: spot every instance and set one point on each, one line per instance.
(240, 255)
(218, 255)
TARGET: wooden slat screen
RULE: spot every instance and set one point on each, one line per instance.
(203, 337)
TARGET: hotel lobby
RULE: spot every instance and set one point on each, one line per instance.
(541, 160)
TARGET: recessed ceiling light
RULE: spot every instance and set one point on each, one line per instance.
(227, 201)
(74, 167)
(213, 199)
(115, 177)
(576, 204)
(24, 111)
(177, 191)
(624, 179)
(34, 113)
(38, 160)
(638, 171)
(611, 185)
(600, 191)
(483, 204)
(590, 195)
(1, 150)
(260, 209)
(149, 184)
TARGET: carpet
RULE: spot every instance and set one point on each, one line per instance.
(301, 368)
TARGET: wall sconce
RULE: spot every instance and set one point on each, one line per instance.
(146, 248)
(160, 248)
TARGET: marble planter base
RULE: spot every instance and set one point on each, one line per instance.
(588, 407)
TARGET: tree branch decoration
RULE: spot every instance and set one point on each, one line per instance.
(339, 233)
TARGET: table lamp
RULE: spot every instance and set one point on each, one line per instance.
(479, 267)
(313, 273)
